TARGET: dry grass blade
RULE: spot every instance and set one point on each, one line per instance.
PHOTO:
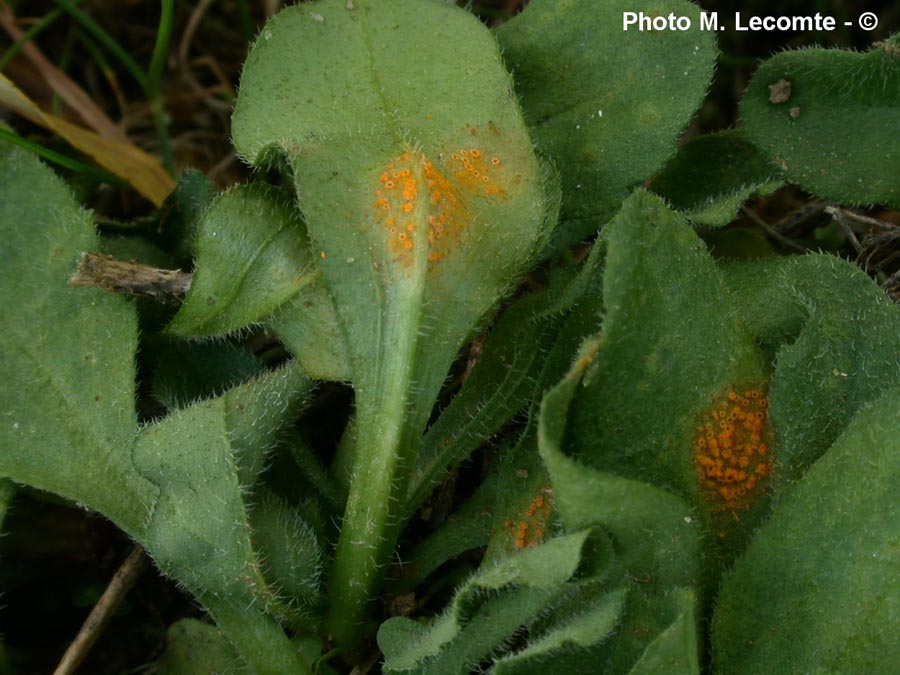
(60, 83)
(123, 159)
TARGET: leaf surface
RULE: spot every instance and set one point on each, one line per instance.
(822, 116)
(605, 104)
(423, 199)
(818, 590)
(67, 354)
(252, 256)
(713, 175)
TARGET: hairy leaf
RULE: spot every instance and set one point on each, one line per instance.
(252, 256)
(823, 117)
(308, 326)
(566, 648)
(199, 530)
(607, 105)
(712, 175)
(197, 648)
(67, 354)
(834, 338)
(424, 200)
(818, 589)
(485, 611)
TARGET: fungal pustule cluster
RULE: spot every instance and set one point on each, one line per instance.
(732, 448)
(530, 529)
(411, 186)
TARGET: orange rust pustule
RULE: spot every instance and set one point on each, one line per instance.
(732, 448)
(411, 183)
(530, 529)
(395, 200)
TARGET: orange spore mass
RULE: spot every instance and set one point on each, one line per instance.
(411, 186)
(529, 530)
(731, 448)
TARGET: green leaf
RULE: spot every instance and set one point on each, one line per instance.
(424, 200)
(197, 648)
(655, 531)
(818, 586)
(485, 611)
(559, 650)
(833, 336)
(199, 530)
(252, 256)
(258, 411)
(184, 372)
(605, 104)
(469, 527)
(712, 175)
(668, 319)
(308, 326)
(182, 212)
(67, 354)
(320, 482)
(674, 651)
(821, 115)
(523, 510)
(68, 400)
(500, 384)
(290, 554)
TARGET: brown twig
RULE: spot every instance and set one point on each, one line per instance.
(122, 582)
(131, 278)
(841, 219)
(772, 232)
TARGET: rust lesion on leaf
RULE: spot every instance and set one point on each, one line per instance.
(531, 527)
(732, 447)
(418, 201)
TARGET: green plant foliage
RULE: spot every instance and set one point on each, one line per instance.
(291, 556)
(469, 527)
(665, 300)
(554, 651)
(197, 648)
(257, 412)
(188, 371)
(674, 650)
(500, 384)
(673, 452)
(484, 613)
(308, 326)
(175, 487)
(835, 339)
(251, 258)
(67, 390)
(607, 105)
(823, 115)
(440, 204)
(818, 590)
(182, 212)
(712, 175)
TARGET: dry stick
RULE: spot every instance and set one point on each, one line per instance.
(840, 218)
(122, 582)
(772, 232)
(131, 278)
(875, 222)
(843, 218)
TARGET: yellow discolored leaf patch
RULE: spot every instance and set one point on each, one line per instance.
(732, 448)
